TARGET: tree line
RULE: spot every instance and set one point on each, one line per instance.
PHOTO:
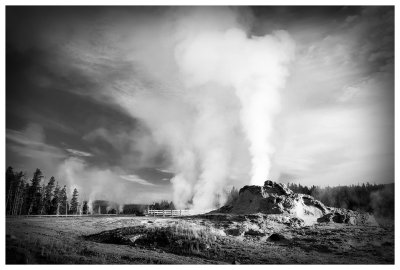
(372, 198)
(162, 205)
(32, 197)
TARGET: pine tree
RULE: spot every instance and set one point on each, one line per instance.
(15, 191)
(23, 209)
(164, 205)
(48, 194)
(157, 206)
(34, 195)
(74, 202)
(55, 202)
(171, 206)
(85, 208)
(63, 201)
(10, 179)
(19, 194)
(40, 200)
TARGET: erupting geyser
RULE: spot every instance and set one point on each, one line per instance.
(214, 94)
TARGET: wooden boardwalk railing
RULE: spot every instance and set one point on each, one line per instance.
(169, 212)
(165, 213)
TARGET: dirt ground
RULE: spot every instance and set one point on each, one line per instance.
(210, 239)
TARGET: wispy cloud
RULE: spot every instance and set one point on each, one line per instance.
(32, 136)
(30, 142)
(136, 179)
(164, 171)
(79, 153)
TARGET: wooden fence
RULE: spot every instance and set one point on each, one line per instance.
(169, 212)
(165, 213)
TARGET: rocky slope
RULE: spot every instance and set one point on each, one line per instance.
(276, 199)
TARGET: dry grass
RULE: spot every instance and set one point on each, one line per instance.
(42, 250)
(190, 241)
(182, 238)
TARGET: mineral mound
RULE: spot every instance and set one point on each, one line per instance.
(276, 199)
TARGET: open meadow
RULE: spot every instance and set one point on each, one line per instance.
(205, 239)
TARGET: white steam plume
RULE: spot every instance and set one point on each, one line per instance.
(219, 92)
(206, 89)
(256, 69)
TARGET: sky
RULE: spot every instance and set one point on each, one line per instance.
(138, 104)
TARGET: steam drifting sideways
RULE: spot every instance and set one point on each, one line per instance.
(219, 90)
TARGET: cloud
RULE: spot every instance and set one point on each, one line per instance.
(118, 139)
(33, 135)
(130, 148)
(349, 93)
(337, 122)
(164, 171)
(30, 143)
(352, 152)
(136, 179)
(27, 150)
(79, 153)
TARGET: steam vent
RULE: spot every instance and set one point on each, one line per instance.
(276, 199)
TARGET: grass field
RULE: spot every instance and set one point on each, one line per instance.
(192, 240)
